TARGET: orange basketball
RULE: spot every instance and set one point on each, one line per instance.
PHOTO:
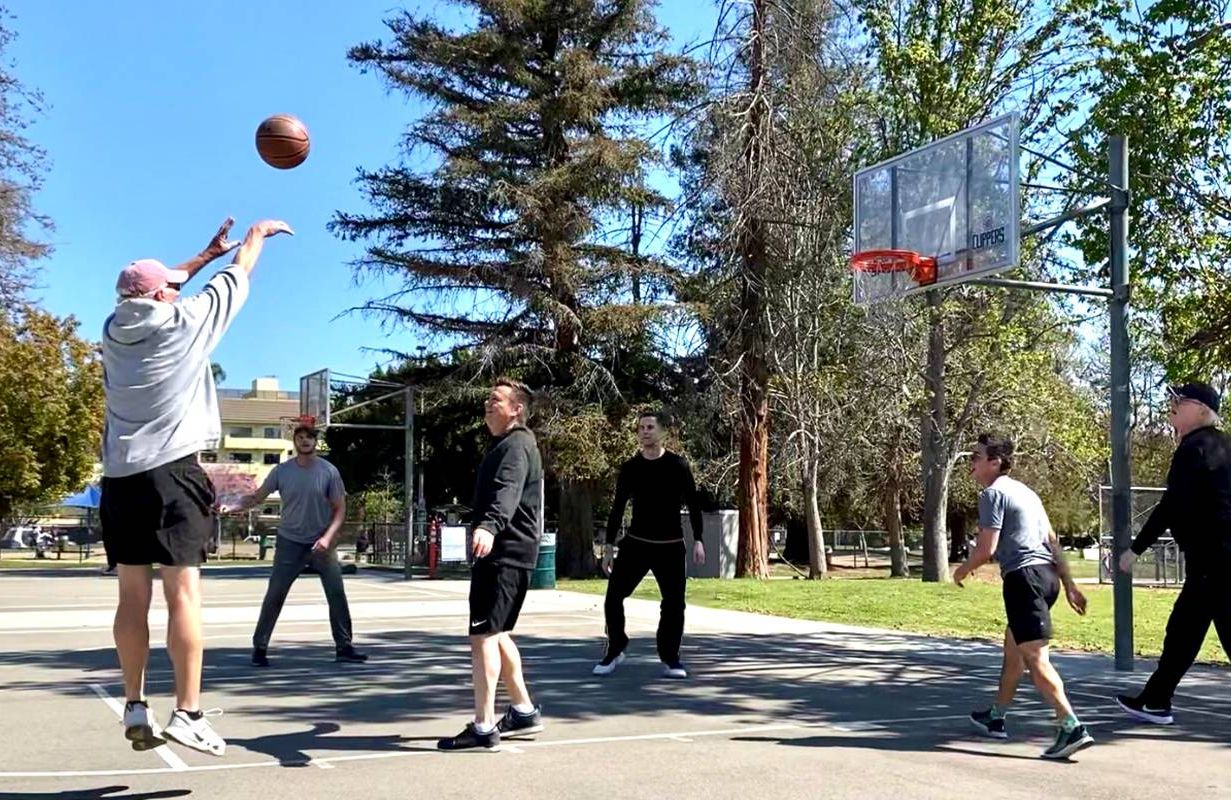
(282, 141)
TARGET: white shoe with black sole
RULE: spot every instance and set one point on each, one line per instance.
(196, 733)
(140, 727)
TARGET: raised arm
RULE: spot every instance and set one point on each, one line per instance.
(250, 250)
(218, 246)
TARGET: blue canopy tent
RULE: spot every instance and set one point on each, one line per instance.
(88, 498)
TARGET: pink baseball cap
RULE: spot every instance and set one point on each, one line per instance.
(146, 276)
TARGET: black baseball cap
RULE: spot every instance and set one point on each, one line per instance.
(1196, 390)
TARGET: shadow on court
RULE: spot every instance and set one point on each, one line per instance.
(101, 793)
(885, 699)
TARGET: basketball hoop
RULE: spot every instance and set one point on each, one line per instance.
(922, 269)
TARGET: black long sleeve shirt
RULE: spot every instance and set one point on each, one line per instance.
(658, 487)
(506, 498)
(1196, 506)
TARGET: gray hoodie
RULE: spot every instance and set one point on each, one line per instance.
(161, 400)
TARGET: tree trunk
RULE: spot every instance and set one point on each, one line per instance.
(753, 490)
(891, 514)
(753, 495)
(935, 452)
(575, 539)
(817, 563)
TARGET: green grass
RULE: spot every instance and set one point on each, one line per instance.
(945, 610)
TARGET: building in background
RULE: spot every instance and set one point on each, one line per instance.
(255, 434)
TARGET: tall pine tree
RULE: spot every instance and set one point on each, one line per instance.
(501, 233)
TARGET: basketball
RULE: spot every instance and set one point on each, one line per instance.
(282, 141)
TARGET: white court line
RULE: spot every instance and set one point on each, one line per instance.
(171, 759)
(400, 754)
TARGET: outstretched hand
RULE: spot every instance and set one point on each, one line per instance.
(270, 227)
(220, 245)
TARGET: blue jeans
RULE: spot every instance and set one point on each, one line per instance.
(289, 560)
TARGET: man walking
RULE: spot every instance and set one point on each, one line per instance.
(157, 502)
(313, 508)
(507, 509)
(1196, 508)
(659, 483)
(1014, 526)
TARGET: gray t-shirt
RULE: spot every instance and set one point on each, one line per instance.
(161, 401)
(308, 494)
(1016, 511)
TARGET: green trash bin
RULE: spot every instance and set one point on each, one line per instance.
(545, 568)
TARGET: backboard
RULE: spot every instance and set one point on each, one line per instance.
(314, 397)
(956, 200)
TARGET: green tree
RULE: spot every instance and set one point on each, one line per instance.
(22, 166)
(501, 246)
(51, 408)
(1160, 79)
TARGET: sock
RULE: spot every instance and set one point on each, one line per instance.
(192, 715)
(998, 711)
(136, 703)
(528, 708)
(1069, 723)
(483, 729)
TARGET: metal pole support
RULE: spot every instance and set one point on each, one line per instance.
(1121, 498)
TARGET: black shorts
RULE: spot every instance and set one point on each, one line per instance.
(496, 594)
(1029, 594)
(161, 516)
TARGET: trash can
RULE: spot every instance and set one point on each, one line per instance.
(544, 576)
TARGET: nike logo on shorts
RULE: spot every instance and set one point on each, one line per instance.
(479, 623)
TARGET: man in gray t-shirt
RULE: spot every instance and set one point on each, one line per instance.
(313, 507)
(1013, 526)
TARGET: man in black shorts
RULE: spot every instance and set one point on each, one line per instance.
(659, 483)
(157, 502)
(1196, 508)
(1013, 526)
(507, 510)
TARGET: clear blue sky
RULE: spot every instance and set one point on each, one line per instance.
(152, 107)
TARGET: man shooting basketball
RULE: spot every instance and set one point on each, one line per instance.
(157, 502)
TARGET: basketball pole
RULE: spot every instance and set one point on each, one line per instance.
(409, 488)
(1121, 500)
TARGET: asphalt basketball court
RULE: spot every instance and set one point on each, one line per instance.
(775, 707)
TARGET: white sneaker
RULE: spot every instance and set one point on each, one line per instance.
(608, 666)
(196, 733)
(140, 727)
(675, 670)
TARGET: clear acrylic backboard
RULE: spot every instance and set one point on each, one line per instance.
(956, 200)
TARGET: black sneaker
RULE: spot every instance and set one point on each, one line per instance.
(350, 655)
(1069, 742)
(991, 726)
(258, 657)
(1135, 708)
(470, 739)
(674, 669)
(514, 723)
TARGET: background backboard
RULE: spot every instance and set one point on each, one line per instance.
(956, 200)
(314, 396)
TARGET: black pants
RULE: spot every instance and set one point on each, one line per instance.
(1204, 599)
(667, 562)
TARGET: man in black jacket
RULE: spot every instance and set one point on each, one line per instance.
(659, 483)
(507, 508)
(1196, 507)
